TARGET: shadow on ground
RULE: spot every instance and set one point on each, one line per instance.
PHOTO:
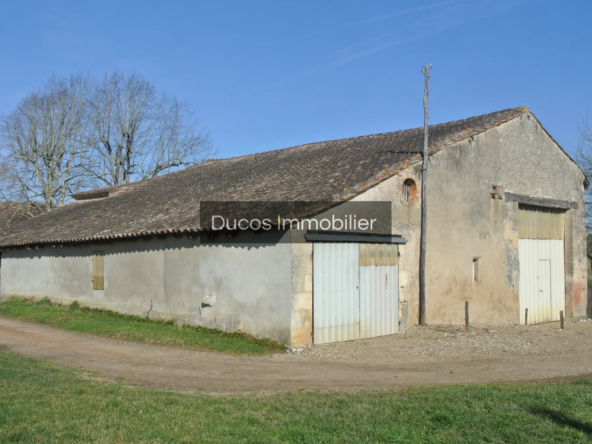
(563, 420)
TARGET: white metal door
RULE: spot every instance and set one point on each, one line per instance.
(542, 284)
(379, 290)
(336, 298)
(544, 281)
(542, 275)
(356, 291)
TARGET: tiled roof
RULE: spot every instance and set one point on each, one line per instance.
(11, 213)
(333, 170)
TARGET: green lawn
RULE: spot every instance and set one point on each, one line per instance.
(134, 328)
(42, 403)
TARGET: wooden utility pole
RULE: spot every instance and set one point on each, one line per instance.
(424, 173)
(467, 322)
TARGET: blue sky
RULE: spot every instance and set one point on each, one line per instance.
(270, 74)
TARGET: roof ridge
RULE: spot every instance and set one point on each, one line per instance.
(170, 203)
(86, 195)
(521, 108)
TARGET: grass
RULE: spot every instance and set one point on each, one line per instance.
(42, 403)
(134, 328)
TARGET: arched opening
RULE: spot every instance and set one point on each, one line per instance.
(409, 191)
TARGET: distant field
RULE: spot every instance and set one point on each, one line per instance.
(133, 328)
(41, 403)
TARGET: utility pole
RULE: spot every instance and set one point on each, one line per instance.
(424, 173)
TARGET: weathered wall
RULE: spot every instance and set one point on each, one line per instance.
(464, 221)
(405, 222)
(302, 281)
(250, 284)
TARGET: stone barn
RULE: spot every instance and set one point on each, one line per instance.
(506, 232)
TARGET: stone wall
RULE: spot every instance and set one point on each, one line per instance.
(468, 218)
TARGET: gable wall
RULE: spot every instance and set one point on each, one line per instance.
(465, 222)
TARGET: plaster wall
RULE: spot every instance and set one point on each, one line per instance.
(465, 222)
(217, 284)
(406, 218)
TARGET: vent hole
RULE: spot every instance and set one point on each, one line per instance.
(475, 269)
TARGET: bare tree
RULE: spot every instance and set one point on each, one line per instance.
(584, 159)
(135, 133)
(43, 143)
(75, 133)
(13, 212)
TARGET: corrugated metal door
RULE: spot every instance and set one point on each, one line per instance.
(542, 288)
(336, 274)
(542, 276)
(355, 291)
(379, 290)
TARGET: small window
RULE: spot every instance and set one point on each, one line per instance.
(475, 269)
(409, 191)
(98, 270)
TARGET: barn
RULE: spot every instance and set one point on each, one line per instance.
(506, 231)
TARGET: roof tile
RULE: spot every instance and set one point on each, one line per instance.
(334, 170)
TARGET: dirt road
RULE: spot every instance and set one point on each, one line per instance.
(190, 370)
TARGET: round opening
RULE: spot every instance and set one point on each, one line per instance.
(409, 191)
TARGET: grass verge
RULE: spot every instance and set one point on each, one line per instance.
(107, 323)
(42, 403)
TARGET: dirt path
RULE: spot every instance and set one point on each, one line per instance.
(191, 370)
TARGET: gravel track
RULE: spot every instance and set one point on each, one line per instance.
(437, 342)
(433, 355)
